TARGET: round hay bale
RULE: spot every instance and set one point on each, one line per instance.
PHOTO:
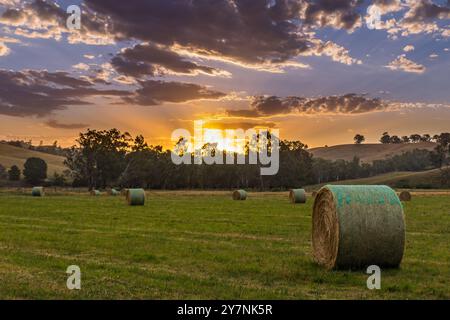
(136, 197)
(239, 195)
(297, 195)
(114, 192)
(357, 226)
(405, 196)
(37, 192)
(95, 192)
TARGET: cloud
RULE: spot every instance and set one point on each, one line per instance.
(339, 14)
(81, 66)
(233, 125)
(266, 106)
(404, 64)
(150, 60)
(154, 92)
(334, 51)
(39, 93)
(433, 56)
(4, 50)
(58, 125)
(408, 48)
(251, 32)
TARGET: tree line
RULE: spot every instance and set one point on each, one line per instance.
(110, 158)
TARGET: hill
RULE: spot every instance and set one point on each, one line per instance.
(10, 155)
(422, 180)
(368, 152)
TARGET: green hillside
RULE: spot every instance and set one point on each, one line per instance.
(10, 155)
(368, 152)
(422, 180)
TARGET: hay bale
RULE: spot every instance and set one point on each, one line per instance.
(135, 197)
(297, 196)
(357, 226)
(95, 192)
(114, 192)
(239, 194)
(37, 192)
(405, 196)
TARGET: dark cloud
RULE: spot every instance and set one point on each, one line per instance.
(346, 104)
(426, 10)
(156, 92)
(58, 125)
(334, 13)
(148, 59)
(228, 125)
(244, 30)
(38, 93)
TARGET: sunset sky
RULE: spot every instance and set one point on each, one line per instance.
(320, 71)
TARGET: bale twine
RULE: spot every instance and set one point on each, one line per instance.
(297, 196)
(239, 195)
(95, 192)
(37, 192)
(405, 196)
(357, 226)
(135, 197)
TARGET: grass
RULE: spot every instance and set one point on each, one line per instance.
(368, 152)
(10, 155)
(184, 245)
(399, 179)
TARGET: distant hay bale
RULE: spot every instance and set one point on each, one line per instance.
(135, 197)
(297, 196)
(113, 192)
(37, 192)
(95, 192)
(239, 195)
(405, 196)
(358, 226)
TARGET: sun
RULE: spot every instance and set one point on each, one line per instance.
(225, 139)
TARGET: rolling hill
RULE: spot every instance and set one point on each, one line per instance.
(368, 152)
(10, 155)
(421, 180)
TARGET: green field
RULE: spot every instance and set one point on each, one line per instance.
(195, 245)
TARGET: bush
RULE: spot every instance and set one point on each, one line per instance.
(14, 173)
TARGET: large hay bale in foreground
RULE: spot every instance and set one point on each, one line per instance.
(136, 197)
(95, 192)
(297, 195)
(357, 226)
(37, 192)
(405, 196)
(239, 195)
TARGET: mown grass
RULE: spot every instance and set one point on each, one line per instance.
(205, 246)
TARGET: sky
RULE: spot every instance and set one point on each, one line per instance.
(320, 71)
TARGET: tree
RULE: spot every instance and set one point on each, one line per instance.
(405, 139)
(14, 173)
(35, 170)
(415, 137)
(385, 138)
(100, 157)
(3, 172)
(359, 138)
(425, 138)
(395, 139)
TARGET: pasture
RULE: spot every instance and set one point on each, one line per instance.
(200, 245)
